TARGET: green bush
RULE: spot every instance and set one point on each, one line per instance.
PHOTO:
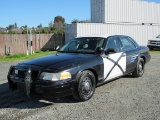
(38, 51)
(16, 56)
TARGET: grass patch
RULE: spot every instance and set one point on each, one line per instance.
(17, 57)
(154, 52)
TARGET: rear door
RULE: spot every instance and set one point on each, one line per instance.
(114, 63)
(131, 53)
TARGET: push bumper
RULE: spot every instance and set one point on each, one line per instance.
(59, 88)
(54, 89)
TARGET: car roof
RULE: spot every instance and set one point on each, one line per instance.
(99, 35)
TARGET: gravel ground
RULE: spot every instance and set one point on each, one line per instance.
(123, 99)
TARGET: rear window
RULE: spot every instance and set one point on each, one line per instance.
(128, 44)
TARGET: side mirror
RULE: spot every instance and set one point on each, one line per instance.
(99, 50)
(57, 48)
(110, 51)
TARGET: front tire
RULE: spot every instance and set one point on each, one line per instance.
(139, 70)
(85, 88)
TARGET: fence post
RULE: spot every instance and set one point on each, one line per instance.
(39, 41)
(5, 50)
(9, 50)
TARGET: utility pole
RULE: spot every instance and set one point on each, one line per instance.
(27, 42)
(39, 40)
(31, 41)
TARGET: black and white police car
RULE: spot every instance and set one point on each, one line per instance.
(80, 65)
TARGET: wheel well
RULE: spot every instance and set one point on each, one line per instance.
(95, 74)
(143, 59)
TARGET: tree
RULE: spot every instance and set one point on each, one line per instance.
(25, 26)
(50, 25)
(80, 21)
(15, 25)
(39, 26)
(11, 32)
(46, 30)
(59, 23)
(85, 21)
(75, 21)
(24, 31)
(10, 27)
(59, 19)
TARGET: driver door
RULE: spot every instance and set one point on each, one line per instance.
(114, 62)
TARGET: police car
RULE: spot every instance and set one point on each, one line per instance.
(79, 66)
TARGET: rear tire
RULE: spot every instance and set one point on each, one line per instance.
(85, 87)
(139, 70)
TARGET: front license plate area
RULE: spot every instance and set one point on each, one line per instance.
(28, 82)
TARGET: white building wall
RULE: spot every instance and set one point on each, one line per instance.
(136, 11)
(141, 33)
(120, 17)
(70, 31)
(97, 10)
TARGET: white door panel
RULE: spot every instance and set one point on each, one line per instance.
(115, 73)
(114, 65)
(108, 65)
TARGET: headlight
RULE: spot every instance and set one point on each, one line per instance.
(55, 76)
(158, 43)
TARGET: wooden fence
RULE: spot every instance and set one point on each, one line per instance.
(17, 43)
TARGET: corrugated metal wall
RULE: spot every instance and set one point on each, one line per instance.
(70, 31)
(136, 11)
(120, 17)
(141, 33)
(98, 11)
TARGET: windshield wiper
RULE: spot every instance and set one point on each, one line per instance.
(61, 51)
(84, 52)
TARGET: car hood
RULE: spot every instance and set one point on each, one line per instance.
(59, 59)
(157, 39)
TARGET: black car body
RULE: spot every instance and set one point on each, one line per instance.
(80, 65)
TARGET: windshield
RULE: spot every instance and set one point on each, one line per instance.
(84, 44)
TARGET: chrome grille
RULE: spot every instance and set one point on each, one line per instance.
(35, 74)
(21, 74)
(153, 42)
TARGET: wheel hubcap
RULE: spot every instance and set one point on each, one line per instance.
(140, 68)
(86, 86)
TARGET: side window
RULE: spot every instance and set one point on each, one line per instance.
(114, 43)
(128, 44)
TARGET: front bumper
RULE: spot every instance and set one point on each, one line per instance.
(55, 89)
(153, 46)
(48, 88)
